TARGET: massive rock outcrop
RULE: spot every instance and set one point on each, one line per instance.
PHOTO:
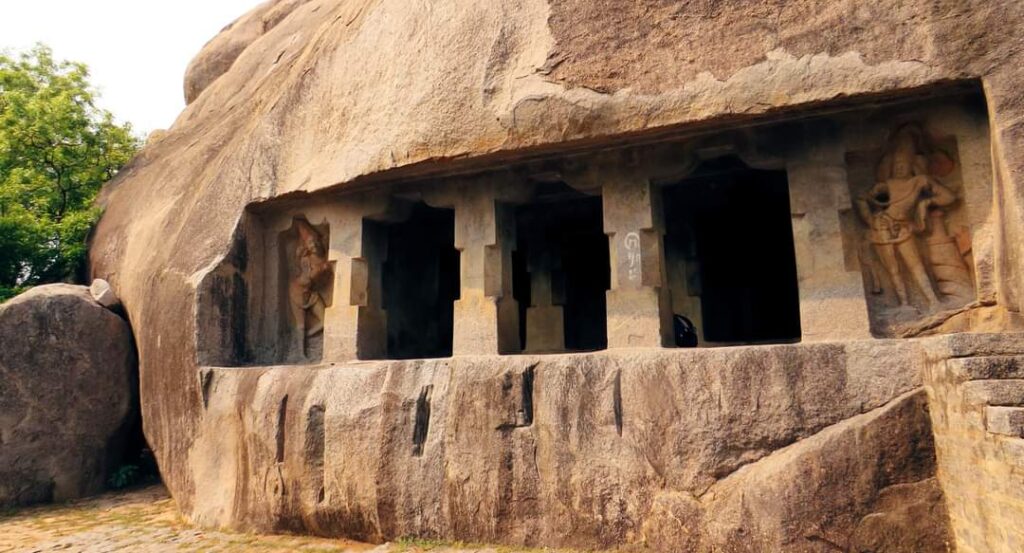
(332, 96)
(66, 389)
(218, 56)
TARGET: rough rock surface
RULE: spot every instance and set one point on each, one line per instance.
(342, 94)
(219, 54)
(574, 450)
(860, 485)
(66, 366)
(865, 484)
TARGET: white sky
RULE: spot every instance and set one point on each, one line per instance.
(136, 50)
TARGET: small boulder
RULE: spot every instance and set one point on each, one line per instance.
(66, 370)
(104, 294)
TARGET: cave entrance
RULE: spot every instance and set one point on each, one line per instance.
(420, 284)
(130, 460)
(730, 256)
(561, 272)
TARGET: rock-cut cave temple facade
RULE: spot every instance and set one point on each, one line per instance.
(574, 274)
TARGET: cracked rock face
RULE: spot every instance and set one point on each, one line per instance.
(65, 392)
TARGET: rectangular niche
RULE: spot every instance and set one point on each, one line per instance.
(729, 254)
(909, 228)
(264, 303)
(304, 291)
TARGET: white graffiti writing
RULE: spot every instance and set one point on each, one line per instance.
(632, 244)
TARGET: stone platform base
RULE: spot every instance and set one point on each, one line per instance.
(761, 448)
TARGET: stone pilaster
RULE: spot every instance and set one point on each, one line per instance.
(1006, 114)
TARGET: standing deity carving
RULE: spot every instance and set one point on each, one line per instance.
(311, 273)
(904, 210)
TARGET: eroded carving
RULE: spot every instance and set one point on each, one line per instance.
(311, 275)
(907, 239)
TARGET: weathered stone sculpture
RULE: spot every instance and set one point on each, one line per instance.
(312, 273)
(946, 254)
(903, 205)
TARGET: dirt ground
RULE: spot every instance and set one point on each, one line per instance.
(145, 520)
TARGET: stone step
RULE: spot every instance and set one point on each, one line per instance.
(975, 344)
(989, 367)
(1008, 392)
(1013, 451)
(1008, 421)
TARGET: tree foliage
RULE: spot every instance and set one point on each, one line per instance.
(56, 150)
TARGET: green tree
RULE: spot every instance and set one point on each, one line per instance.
(56, 150)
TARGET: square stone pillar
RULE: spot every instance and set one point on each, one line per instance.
(355, 325)
(545, 320)
(639, 309)
(832, 301)
(486, 314)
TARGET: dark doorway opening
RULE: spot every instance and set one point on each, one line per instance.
(729, 253)
(421, 284)
(561, 272)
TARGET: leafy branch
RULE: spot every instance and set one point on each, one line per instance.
(56, 150)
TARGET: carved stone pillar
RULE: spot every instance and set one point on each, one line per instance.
(832, 301)
(356, 325)
(639, 310)
(545, 320)
(486, 314)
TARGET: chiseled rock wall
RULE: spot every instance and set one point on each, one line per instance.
(712, 448)
(66, 389)
(980, 460)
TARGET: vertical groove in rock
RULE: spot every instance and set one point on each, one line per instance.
(282, 416)
(315, 449)
(617, 402)
(422, 425)
(206, 381)
(527, 391)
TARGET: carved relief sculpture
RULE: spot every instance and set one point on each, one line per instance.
(906, 208)
(310, 274)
